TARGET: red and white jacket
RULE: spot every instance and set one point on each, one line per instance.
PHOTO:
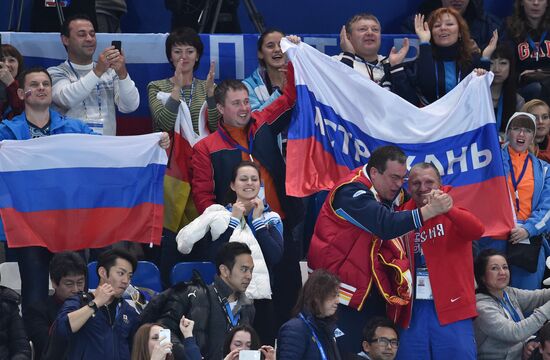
(354, 237)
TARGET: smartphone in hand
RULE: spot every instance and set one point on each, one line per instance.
(250, 355)
(164, 336)
(117, 44)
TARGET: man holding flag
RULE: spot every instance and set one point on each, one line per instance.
(336, 131)
(242, 135)
(38, 120)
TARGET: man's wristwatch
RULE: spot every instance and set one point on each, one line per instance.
(93, 306)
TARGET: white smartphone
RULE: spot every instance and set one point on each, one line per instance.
(250, 355)
(164, 336)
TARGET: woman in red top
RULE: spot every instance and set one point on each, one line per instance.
(11, 65)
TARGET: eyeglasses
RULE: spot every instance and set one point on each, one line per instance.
(520, 129)
(385, 342)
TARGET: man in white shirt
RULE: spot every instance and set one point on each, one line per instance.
(88, 90)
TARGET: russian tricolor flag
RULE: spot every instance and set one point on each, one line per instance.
(69, 192)
(341, 116)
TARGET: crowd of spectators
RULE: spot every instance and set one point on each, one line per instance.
(242, 219)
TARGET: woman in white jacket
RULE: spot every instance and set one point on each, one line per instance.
(248, 220)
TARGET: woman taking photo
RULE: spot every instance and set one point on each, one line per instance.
(148, 344)
(501, 328)
(268, 81)
(244, 337)
(527, 29)
(446, 55)
(11, 65)
(250, 221)
(310, 335)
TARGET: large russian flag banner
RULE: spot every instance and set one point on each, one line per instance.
(340, 117)
(69, 192)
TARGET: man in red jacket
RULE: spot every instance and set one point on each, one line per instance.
(243, 135)
(438, 322)
(356, 237)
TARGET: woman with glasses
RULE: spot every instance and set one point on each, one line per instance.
(502, 326)
(541, 111)
(529, 184)
(310, 335)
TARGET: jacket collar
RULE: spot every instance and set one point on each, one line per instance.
(56, 121)
(225, 290)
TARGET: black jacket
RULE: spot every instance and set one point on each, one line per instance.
(14, 344)
(201, 305)
(39, 317)
(430, 70)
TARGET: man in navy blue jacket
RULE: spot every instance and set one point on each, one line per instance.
(101, 325)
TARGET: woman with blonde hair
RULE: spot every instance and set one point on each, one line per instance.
(541, 111)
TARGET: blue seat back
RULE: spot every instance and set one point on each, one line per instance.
(147, 275)
(183, 271)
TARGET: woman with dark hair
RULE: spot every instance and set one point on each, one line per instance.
(248, 220)
(310, 335)
(501, 328)
(244, 337)
(527, 29)
(148, 344)
(446, 55)
(11, 65)
(184, 49)
(188, 102)
(267, 82)
(506, 100)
